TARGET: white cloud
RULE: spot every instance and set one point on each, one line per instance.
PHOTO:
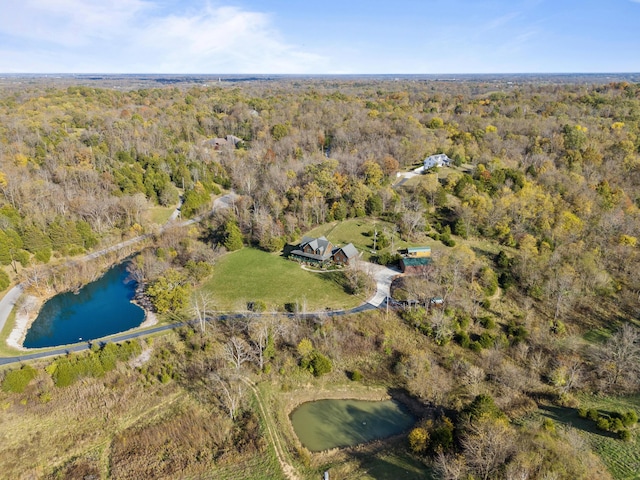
(501, 21)
(135, 36)
(70, 22)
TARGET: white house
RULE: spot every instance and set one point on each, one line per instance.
(439, 160)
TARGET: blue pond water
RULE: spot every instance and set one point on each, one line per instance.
(99, 309)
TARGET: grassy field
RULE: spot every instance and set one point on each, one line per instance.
(130, 428)
(250, 275)
(621, 458)
(6, 350)
(160, 215)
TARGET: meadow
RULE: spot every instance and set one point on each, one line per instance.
(251, 275)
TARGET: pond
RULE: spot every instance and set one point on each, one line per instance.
(326, 424)
(99, 309)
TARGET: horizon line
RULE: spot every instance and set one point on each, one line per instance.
(315, 74)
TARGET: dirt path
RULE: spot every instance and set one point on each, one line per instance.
(274, 439)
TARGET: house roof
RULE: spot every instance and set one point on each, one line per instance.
(349, 250)
(233, 139)
(438, 158)
(312, 256)
(416, 262)
(220, 142)
(320, 244)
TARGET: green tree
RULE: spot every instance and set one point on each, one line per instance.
(232, 236)
(317, 364)
(373, 173)
(17, 380)
(4, 280)
(170, 292)
(418, 440)
(279, 131)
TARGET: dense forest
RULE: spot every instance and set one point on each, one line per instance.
(534, 230)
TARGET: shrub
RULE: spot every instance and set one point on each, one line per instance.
(15, 381)
(603, 424)
(548, 425)
(462, 339)
(629, 418)
(487, 322)
(615, 425)
(418, 440)
(387, 258)
(94, 363)
(517, 333)
(483, 406)
(592, 414)
(319, 364)
(487, 340)
(442, 435)
(463, 319)
(582, 412)
(356, 376)
(257, 306)
(625, 435)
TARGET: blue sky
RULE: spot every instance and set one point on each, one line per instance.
(328, 36)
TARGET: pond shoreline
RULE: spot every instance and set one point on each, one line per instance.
(289, 401)
(25, 317)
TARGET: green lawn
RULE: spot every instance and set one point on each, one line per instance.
(249, 275)
(621, 458)
(160, 215)
(6, 350)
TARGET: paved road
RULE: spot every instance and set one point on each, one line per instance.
(383, 277)
(78, 347)
(8, 302)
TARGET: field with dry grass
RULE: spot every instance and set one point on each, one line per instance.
(125, 425)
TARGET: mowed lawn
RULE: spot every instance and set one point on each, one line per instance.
(250, 275)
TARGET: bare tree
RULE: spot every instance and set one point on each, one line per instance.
(261, 330)
(449, 467)
(229, 390)
(201, 305)
(487, 445)
(237, 351)
(619, 357)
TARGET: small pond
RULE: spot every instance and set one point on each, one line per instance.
(326, 424)
(99, 309)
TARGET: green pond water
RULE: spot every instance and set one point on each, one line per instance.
(326, 424)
